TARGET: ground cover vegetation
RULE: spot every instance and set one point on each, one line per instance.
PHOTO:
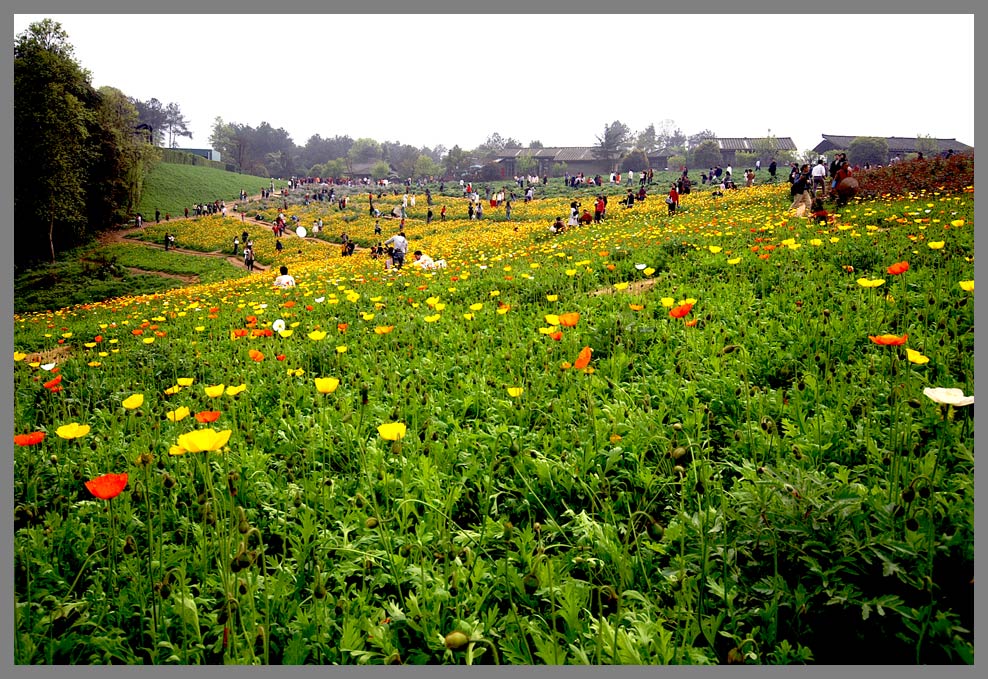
(726, 436)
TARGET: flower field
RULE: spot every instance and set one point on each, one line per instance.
(729, 436)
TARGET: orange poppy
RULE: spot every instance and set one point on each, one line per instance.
(558, 335)
(32, 439)
(256, 355)
(691, 323)
(898, 267)
(569, 320)
(207, 416)
(889, 340)
(240, 332)
(342, 326)
(136, 331)
(108, 486)
(289, 304)
(680, 311)
(583, 360)
(52, 383)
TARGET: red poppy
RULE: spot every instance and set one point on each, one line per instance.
(207, 416)
(251, 320)
(569, 320)
(898, 267)
(558, 335)
(214, 309)
(691, 323)
(240, 332)
(342, 326)
(680, 311)
(108, 486)
(583, 360)
(309, 307)
(98, 339)
(32, 439)
(50, 384)
(889, 340)
(280, 357)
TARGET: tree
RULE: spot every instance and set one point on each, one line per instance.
(364, 150)
(154, 114)
(613, 142)
(456, 161)
(646, 140)
(334, 168)
(380, 169)
(426, 167)
(635, 160)
(707, 153)
(123, 162)
(53, 118)
(525, 165)
(927, 145)
(495, 144)
(872, 150)
(535, 144)
(175, 124)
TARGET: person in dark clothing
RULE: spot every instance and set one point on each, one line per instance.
(772, 167)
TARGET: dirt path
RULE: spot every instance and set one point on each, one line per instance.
(121, 236)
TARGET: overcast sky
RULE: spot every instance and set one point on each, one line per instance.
(427, 80)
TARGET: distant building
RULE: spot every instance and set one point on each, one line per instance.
(764, 147)
(898, 146)
(577, 159)
(208, 154)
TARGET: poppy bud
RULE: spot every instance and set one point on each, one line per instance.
(455, 640)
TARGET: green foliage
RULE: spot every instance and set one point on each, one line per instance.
(706, 153)
(171, 188)
(871, 150)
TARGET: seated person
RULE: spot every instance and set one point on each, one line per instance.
(586, 217)
(557, 226)
(285, 280)
(426, 262)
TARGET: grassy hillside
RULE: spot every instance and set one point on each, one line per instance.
(171, 188)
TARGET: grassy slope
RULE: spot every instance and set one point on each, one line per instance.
(171, 188)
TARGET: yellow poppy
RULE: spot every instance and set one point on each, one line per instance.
(178, 414)
(185, 381)
(317, 335)
(326, 385)
(967, 286)
(392, 431)
(916, 357)
(73, 430)
(201, 441)
(133, 401)
(515, 392)
(234, 390)
(936, 244)
(215, 390)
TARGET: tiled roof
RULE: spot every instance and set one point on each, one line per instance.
(896, 144)
(554, 153)
(750, 144)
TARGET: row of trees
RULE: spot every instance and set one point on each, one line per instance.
(79, 157)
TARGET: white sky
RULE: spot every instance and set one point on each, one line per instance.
(427, 80)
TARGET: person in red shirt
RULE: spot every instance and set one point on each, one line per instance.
(672, 200)
(598, 210)
(585, 218)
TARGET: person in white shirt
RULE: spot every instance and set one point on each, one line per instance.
(426, 262)
(400, 246)
(819, 175)
(285, 280)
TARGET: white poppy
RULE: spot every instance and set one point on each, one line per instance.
(954, 397)
(48, 366)
(278, 325)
